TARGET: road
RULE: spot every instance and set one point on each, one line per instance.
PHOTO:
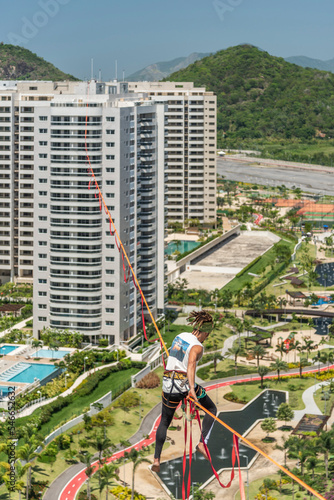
(311, 179)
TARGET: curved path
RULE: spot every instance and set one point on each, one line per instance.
(67, 485)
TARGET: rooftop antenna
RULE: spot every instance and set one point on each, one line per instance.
(91, 68)
(100, 75)
(116, 69)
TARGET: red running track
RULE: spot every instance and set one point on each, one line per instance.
(73, 486)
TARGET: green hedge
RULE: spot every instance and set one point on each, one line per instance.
(245, 269)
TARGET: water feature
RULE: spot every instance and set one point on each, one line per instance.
(6, 349)
(182, 246)
(50, 353)
(220, 442)
(325, 274)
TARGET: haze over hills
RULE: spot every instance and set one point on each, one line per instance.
(160, 70)
(261, 96)
(308, 62)
(18, 63)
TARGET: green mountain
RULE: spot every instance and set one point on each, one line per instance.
(17, 63)
(261, 96)
(158, 71)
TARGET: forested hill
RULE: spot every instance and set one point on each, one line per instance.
(261, 96)
(17, 63)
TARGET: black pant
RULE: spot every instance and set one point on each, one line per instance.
(169, 404)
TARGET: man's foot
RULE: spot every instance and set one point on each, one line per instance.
(200, 448)
(155, 467)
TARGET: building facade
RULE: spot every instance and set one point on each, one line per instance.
(57, 235)
(191, 148)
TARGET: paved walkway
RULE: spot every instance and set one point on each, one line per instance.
(308, 400)
(18, 326)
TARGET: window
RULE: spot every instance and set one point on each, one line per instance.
(110, 285)
(42, 181)
(43, 143)
(110, 297)
(110, 271)
(43, 118)
(42, 217)
(42, 193)
(42, 230)
(42, 243)
(110, 132)
(110, 144)
(43, 155)
(42, 205)
(42, 168)
(42, 281)
(110, 118)
(110, 169)
(42, 294)
(110, 259)
(42, 306)
(110, 310)
(110, 183)
(109, 195)
(110, 157)
(110, 245)
(43, 130)
(41, 318)
(42, 255)
(110, 323)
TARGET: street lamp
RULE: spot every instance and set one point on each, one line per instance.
(86, 357)
(216, 302)
(104, 428)
(246, 457)
(39, 392)
(177, 476)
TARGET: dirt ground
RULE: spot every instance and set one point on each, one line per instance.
(147, 484)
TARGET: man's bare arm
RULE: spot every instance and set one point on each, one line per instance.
(194, 356)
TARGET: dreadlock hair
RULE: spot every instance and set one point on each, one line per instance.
(197, 318)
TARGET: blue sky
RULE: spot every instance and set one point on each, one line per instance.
(69, 33)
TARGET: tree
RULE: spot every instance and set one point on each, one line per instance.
(278, 366)
(301, 450)
(325, 444)
(262, 371)
(281, 349)
(258, 351)
(28, 454)
(301, 364)
(285, 412)
(309, 345)
(268, 425)
(234, 351)
(136, 458)
(86, 459)
(107, 473)
(216, 356)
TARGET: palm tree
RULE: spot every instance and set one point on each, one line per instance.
(20, 471)
(311, 464)
(301, 450)
(258, 351)
(107, 472)
(262, 371)
(100, 443)
(330, 359)
(27, 453)
(326, 446)
(136, 458)
(235, 351)
(281, 349)
(278, 366)
(86, 459)
(216, 356)
(301, 364)
(308, 346)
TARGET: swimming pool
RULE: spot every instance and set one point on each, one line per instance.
(50, 353)
(27, 372)
(6, 349)
(182, 246)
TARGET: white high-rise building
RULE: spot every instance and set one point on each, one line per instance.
(191, 148)
(53, 229)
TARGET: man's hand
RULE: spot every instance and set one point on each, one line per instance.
(192, 394)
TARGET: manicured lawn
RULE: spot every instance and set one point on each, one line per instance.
(224, 369)
(254, 489)
(321, 402)
(111, 383)
(251, 389)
